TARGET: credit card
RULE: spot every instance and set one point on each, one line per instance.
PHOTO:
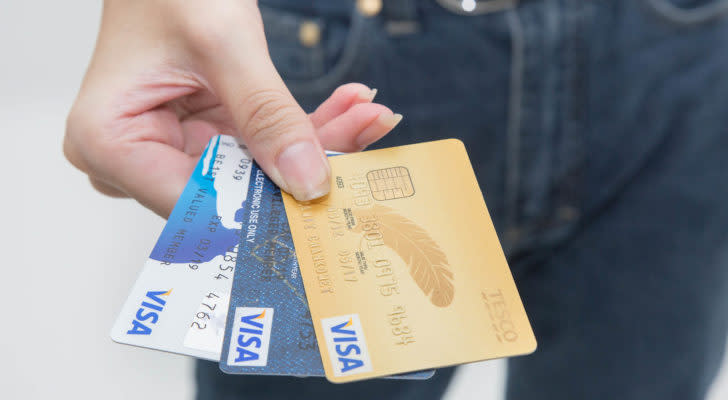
(269, 329)
(179, 302)
(402, 267)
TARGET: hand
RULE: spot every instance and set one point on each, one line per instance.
(167, 75)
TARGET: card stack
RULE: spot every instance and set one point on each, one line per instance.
(396, 272)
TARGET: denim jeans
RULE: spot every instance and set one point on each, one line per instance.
(599, 134)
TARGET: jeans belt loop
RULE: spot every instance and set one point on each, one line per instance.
(400, 17)
(400, 9)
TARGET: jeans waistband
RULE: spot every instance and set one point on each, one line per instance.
(393, 9)
(313, 7)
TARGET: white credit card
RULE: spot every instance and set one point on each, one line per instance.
(179, 303)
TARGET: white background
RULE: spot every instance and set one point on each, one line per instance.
(70, 255)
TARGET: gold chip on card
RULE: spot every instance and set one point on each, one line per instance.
(390, 183)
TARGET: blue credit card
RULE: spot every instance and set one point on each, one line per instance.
(179, 302)
(269, 329)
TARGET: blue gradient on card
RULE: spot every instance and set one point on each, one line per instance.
(193, 233)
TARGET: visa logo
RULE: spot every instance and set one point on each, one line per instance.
(250, 337)
(148, 313)
(346, 344)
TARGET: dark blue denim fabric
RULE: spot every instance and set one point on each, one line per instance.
(599, 133)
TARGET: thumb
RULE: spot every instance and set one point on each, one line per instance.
(278, 133)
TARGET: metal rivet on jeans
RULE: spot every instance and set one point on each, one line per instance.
(369, 8)
(309, 33)
(568, 213)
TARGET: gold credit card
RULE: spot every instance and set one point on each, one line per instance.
(402, 266)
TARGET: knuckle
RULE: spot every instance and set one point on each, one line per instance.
(269, 115)
(83, 146)
(205, 39)
(75, 131)
(105, 188)
(209, 29)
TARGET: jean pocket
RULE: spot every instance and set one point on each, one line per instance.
(689, 12)
(313, 53)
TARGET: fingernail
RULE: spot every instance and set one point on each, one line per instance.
(390, 120)
(305, 171)
(368, 94)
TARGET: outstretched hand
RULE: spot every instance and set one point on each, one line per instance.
(166, 76)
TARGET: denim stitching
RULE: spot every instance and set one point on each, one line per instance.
(692, 16)
(351, 53)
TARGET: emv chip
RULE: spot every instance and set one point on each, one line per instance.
(390, 183)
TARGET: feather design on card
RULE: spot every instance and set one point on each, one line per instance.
(427, 263)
